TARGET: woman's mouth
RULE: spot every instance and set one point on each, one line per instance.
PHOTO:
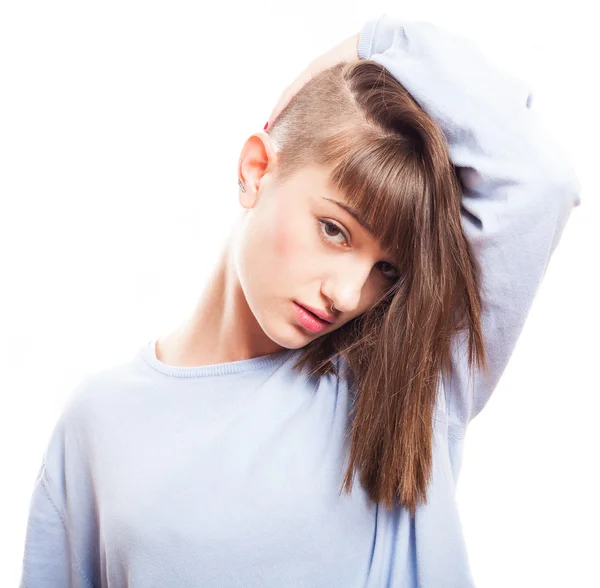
(308, 320)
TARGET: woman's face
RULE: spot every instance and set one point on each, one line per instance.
(296, 247)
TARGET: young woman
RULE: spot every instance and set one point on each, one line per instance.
(304, 427)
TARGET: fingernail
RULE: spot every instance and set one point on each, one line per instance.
(266, 125)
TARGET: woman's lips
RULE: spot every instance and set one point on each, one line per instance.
(308, 320)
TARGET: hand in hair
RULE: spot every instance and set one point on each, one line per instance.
(347, 51)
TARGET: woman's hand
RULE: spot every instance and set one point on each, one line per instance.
(347, 50)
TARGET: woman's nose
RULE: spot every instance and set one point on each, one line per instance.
(345, 285)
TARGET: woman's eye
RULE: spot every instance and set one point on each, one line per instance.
(389, 271)
(330, 231)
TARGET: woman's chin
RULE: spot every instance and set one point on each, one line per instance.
(291, 336)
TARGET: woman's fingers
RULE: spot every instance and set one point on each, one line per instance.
(289, 93)
(346, 51)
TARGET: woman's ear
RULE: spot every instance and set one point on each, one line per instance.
(257, 158)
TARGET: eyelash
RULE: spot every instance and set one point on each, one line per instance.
(327, 239)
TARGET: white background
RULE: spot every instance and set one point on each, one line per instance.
(120, 130)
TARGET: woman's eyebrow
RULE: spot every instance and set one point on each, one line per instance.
(361, 221)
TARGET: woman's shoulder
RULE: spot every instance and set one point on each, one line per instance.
(98, 389)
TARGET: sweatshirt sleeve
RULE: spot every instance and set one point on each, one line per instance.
(61, 539)
(49, 559)
(519, 188)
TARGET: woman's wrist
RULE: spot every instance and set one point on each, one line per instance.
(346, 50)
(349, 47)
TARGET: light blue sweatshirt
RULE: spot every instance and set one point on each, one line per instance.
(228, 475)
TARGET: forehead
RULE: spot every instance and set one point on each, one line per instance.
(316, 177)
(316, 183)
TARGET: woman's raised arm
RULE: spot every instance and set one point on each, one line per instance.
(519, 186)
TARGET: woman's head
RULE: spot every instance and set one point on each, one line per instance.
(400, 274)
(298, 243)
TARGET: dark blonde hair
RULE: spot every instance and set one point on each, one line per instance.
(390, 160)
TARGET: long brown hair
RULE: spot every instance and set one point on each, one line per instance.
(390, 160)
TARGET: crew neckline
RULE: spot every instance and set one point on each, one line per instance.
(148, 354)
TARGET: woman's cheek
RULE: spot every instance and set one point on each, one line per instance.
(283, 241)
(288, 238)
